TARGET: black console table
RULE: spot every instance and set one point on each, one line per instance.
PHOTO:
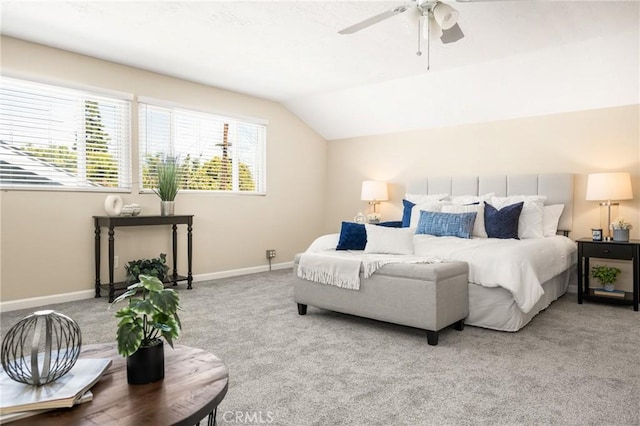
(115, 221)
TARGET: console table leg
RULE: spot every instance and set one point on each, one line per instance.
(112, 290)
(189, 255)
(97, 257)
(174, 227)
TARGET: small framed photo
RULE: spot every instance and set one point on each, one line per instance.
(596, 234)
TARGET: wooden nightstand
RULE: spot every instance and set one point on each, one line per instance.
(629, 250)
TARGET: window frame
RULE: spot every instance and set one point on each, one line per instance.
(165, 104)
(125, 171)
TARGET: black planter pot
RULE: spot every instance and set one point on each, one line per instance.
(146, 365)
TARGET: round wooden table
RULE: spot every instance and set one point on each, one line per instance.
(195, 382)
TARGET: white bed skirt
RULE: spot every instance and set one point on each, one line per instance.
(494, 307)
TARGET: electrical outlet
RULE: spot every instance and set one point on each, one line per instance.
(271, 253)
(116, 263)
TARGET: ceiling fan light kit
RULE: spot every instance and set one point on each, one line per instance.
(434, 20)
(445, 15)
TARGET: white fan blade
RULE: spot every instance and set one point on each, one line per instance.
(375, 19)
(452, 34)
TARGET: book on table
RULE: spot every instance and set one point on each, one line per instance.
(63, 392)
(12, 417)
(619, 294)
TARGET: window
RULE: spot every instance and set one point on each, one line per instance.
(215, 153)
(58, 138)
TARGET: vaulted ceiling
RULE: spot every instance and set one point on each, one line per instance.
(518, 58)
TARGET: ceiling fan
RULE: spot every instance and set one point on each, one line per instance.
(435, 19)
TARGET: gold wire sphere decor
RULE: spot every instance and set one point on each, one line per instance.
(41, 348)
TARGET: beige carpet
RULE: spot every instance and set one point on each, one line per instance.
(572, 365)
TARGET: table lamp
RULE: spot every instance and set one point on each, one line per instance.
(374, 191)
(605, 187)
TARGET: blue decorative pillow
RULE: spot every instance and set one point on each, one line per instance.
(406, 213)
(446, 224)
(392, 224)
(502, 223)
(353, 236)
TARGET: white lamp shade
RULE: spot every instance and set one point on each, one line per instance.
(374, 190)
(445, 15)
(609, 186)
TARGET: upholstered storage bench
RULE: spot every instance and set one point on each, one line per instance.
(427, 296)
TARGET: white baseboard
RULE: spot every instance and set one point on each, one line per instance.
(573, 288)
(35, 302)
(243, 271)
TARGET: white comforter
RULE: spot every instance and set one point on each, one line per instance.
(520, 266)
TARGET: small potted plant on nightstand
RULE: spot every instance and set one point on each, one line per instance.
(607, 275)
(151, 314)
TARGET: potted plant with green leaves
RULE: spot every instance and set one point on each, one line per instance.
(156, 267)
(150, 315)
(607, 275)
(169, 175)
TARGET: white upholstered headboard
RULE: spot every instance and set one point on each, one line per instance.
(558, 187)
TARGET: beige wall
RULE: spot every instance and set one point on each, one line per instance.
(47, 237)
(46, 244)
(579, 143)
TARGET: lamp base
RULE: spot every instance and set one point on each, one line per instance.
(608, 210)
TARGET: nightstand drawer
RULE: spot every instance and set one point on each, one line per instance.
(608, 251)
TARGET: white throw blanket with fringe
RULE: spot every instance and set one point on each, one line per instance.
(342, 268)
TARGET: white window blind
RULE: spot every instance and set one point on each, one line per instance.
(59, 138)
(216, 153)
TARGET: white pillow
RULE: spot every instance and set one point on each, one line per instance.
(478, 225)
(550, 218)
(432, 206)
(381, 239)
(530, 221)
(423, 198)
(471, 199)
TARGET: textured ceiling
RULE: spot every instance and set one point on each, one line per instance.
(291, 52)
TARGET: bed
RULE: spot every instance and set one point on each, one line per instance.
(503, 295)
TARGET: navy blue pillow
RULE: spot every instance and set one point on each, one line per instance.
(392, 224)
(502, 223)
(406, 213)
(353, 236)
(446, 224)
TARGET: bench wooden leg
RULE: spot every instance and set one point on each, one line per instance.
(432, 337)
(302, 309)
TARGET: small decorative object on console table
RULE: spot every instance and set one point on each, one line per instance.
(113, 205)
(620, 229)
(628, 250)
(169, 175)
(142, 324)
(27, 358)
